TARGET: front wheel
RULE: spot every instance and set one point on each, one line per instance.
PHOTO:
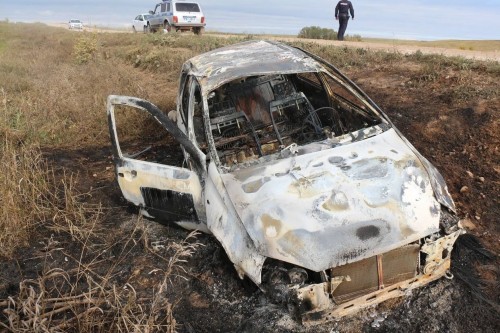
(199, 31)
(147, 29)
(167, 27)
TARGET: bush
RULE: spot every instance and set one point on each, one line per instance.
(356, 38)
(85, 48)
(315, 32)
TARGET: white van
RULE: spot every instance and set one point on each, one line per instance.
(177, 15)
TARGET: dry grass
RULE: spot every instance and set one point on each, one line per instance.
(24, 185)
(86, 300)
(32, 196)
(55, 96)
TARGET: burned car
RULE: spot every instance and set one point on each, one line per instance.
(307, 185)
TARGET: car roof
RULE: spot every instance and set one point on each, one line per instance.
(250, 58)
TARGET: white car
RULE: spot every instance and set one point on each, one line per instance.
(141, 23)
(75, 24)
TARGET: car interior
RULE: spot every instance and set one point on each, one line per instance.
(257, 116)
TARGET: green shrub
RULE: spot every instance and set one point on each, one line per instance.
(356, 38)
(85, 48)
(315, 32)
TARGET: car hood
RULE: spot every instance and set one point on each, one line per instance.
(338, 205)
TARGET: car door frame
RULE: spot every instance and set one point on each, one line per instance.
(166, 192)
(136, 21)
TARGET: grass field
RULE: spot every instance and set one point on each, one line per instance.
(73, 258)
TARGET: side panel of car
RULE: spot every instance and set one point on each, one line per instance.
(161, 14)
(163, 191)
(226, 226)
(138, 23)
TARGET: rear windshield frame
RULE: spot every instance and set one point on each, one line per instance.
(187, 7)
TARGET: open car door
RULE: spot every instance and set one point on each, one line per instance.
(166, 192)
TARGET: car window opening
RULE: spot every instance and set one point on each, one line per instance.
(261, 115)
(187, 7)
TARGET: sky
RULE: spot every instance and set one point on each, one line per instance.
(410, 19)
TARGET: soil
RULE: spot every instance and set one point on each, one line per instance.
(459, 136)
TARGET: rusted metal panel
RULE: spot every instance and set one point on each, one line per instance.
(363, 279)
(437, 261)
(400, 264)
(397, 290)
(376, 273)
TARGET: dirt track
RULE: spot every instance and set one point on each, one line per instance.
(406, 49)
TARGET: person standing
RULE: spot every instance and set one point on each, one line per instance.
(342, 15)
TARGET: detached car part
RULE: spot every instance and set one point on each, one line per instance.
(311, 190)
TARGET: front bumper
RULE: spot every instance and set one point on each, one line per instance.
(315, 304)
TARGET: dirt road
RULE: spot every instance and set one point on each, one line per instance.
(388, 47)
(405, 49)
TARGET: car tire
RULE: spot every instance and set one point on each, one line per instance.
(133, 28)
(166, 26)
(147, 29)
(199, 31)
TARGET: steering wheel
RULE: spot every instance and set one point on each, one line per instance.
(336, 126)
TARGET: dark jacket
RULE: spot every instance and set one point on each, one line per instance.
(343, 8)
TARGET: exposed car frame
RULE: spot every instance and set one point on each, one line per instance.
(327, 219)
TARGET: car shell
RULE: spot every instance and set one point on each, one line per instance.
(333, 207)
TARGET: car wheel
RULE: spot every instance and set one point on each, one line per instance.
(199, 31)
(147, 29)
(167, 27)
(133, 28)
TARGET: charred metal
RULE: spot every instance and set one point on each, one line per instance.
(311, 190)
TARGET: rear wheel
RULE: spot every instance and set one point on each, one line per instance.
(167, 27)
(199, 31)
